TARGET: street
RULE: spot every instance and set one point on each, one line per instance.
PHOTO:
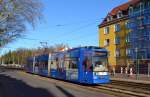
(74, 48)
(21, 84)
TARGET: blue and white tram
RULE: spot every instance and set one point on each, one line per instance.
(82, 65)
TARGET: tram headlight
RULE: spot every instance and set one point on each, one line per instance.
(101, 73)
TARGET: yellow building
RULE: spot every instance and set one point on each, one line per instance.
(113, 35)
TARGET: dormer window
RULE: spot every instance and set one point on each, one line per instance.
(109, 18)
(141, 6)
(130, 10)
(119, 15)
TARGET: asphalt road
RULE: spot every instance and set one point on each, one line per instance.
(21, 84)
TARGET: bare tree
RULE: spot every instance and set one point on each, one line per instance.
(15, 15)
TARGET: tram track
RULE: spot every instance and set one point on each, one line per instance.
(132, 84)
(133, 89)
(116, 88)
(122, 92)
(119, 90)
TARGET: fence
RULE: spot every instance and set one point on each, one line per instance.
(140, 70)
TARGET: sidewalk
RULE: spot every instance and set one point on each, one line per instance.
(136, 79)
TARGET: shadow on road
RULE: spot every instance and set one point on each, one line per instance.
(11, 87)
(2, 70)
(64, 91)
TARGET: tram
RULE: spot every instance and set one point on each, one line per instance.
(86, 65)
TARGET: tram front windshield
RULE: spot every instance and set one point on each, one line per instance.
(99, 64)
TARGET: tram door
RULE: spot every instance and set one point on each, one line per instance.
(87, 68)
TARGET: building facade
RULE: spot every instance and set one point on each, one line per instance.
(139, 19)
(117, 34)
(139, 36)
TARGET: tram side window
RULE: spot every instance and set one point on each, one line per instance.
(73, 64)
(66, 63)
(36, 64)
(39, 64)
(45, 64)
(29, 64)
(53, 64)
(61, 63)
(74, 56)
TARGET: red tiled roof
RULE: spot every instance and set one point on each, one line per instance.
(123, 7)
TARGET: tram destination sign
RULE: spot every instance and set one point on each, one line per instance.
(100, 54)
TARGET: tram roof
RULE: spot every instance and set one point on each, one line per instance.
(89, 47)
(46, 56)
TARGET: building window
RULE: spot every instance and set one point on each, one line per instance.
(109, 18)
(128, 52)
(117, 53)
(117, 40)
(108, 54)
(117, 27)
(106, 30)
(128, 39)
(148, 20)
(148, 3)
(130, 10)
(144, 19)
(132, 24)
(127, 25)
(119, 15)
(106, 42)
(141, 6)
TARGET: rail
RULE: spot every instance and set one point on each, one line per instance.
(116, 88)
(130, 88)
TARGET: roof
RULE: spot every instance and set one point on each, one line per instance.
(123, 7)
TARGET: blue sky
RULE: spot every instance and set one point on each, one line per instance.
(72, 22)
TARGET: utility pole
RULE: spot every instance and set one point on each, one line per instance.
(137, 63)
(148, 69)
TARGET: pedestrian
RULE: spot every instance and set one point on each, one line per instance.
(114, 71)
(121, 70)
(126, 70)
(131, 71)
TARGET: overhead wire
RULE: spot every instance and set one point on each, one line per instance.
(65, 34)
(68, 33)
(68, 24)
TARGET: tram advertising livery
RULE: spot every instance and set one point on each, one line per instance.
(82, 65)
